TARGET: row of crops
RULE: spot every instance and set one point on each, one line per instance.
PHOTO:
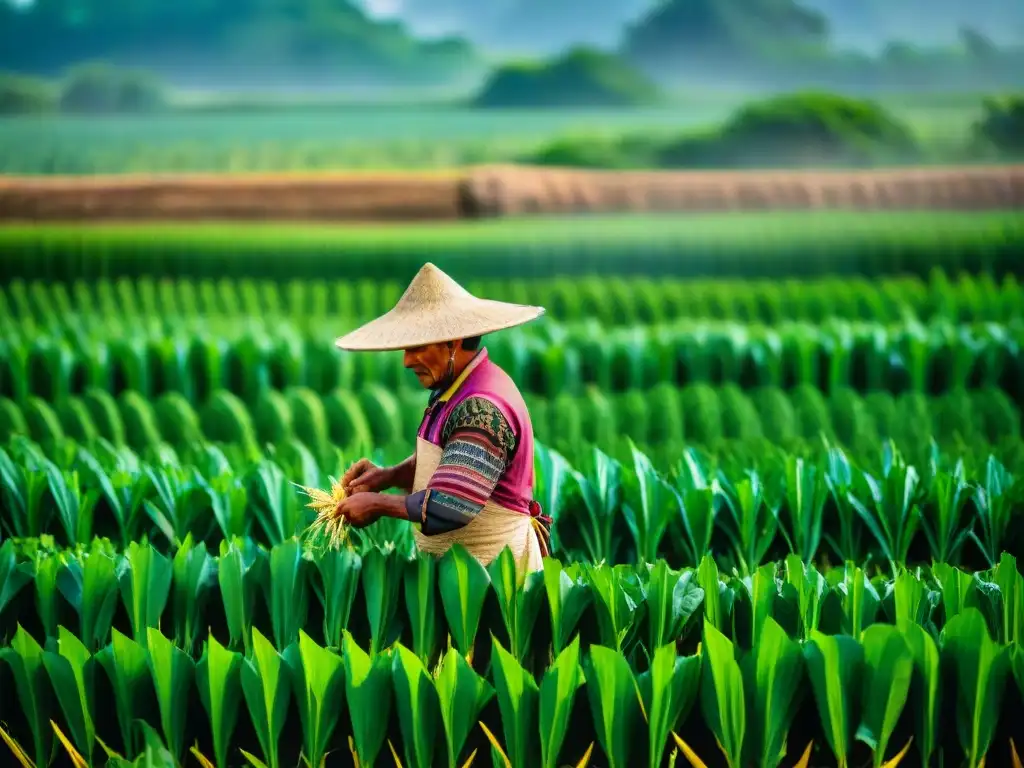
(785, 504)
(771, 245)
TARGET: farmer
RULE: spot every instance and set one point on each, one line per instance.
(471, 477)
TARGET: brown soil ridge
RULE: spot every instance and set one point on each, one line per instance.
(494, 191)
(514, 191)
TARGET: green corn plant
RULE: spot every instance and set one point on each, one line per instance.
(241, 572)
(423, 607)
(612, 692)
(839, 479)
(569, 594)
(926, 689)
(805, 589)
(888, 669)
(14, 576)
(23, 488)
(274, 502)
(368, 691)
(89, 584)
(25, 659)
(651, 503)
(861, 601)
(673, 598)
(553, 486)
(74, 508)
(381, 591)
(601, 492)
(267, 686)
(336, 587)
(835, 667)
(806, 493)
(126, 664)
(287, 593)
(618, 602)
(520, 597)
(317, 677)
(462, 694)
(700, 497)
(218, 678)
(144, 577)
(981, 667)
(123, 489)
(668, 691)
(518, 698)
(949, 493)
(419, 710)
(558, 690)
(1011, 588)
(173, 674)
(995, 499)
(194, 574)
(754, 522)
(464, 584)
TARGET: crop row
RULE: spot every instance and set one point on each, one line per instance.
(575, 659)
(661, 419)
(771, 245)
(821, 505)
(247, 356)
(624, 300)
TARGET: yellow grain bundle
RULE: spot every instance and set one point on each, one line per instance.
(327, 523)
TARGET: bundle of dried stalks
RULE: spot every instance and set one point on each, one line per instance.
(328, 525)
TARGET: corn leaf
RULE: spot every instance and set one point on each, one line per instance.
(568, 597)
(926, 688)
(218, 677)
(464, 583)
(241, 570)
(519, 600)
(773, 674)
(25, 659)
(318, 679)
(888, 669)
(860, 601)
(673, 599)
(368, 691)
(668, 691)
(614, 702)
(381, 590)
(127, 666)
(13, 576)
(267, 690)
(287, 596)
(557, 695)
(144, 577)
(194, 574)
(339, 571)
(47, 571)
(1011, 588)
(518, 701)
(462, 694)
(980, 667)
(173, 676)
(419, 709)
(618, 599)
(89, 584)
(72, 671)
(835, 665)
(722, 695)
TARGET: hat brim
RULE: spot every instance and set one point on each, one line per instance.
(403, 329)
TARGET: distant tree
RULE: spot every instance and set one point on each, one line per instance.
(98, 88)
(24, 95)
(1002, 125)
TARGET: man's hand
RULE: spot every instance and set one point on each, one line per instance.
(366, 477)
(360, 510)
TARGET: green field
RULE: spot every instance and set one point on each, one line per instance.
(784, 456)
(373, 137)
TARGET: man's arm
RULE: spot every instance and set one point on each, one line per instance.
(478, 444)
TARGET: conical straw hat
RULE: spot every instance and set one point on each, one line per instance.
(435, 309)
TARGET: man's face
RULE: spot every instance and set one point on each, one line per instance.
(429, 363)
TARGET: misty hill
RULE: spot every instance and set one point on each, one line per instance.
(229, 42)
(581, 78)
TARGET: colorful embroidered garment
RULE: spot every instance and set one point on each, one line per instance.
(483, 427)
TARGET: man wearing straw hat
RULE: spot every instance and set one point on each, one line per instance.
(471, 477)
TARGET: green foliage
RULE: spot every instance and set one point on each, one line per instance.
(24, 95)
(1002, 125)
(101, 88)
(582, 77)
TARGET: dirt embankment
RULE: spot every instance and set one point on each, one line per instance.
(502, 191)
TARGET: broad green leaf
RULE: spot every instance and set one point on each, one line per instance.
(318, 679)
(568, 595)
(860, 602)
(194, 574)
(617, 603)
(13, 577)
(1011, 588)
(287, 595)
(518, 701)
(926, 688)
(835, 665)
(668, 691)
(722, 694)
(218, 677)
(47, 571)
(25, 659)
(241, 570)
(89, 584)
(462, 694)
(381, 590)
(888, 669)
(173, 676)
(773, 675)
(423, 607)
(519, 600)
(557, 695)
(614, 702)
(339, 571)
(673, 598)
(368, 690)
(811, 589)
(127, 666)
(144, 577)
(265, 685)
(981, 667)
(419, 709)
(718, 596)
(72, 671)
(464, 583)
